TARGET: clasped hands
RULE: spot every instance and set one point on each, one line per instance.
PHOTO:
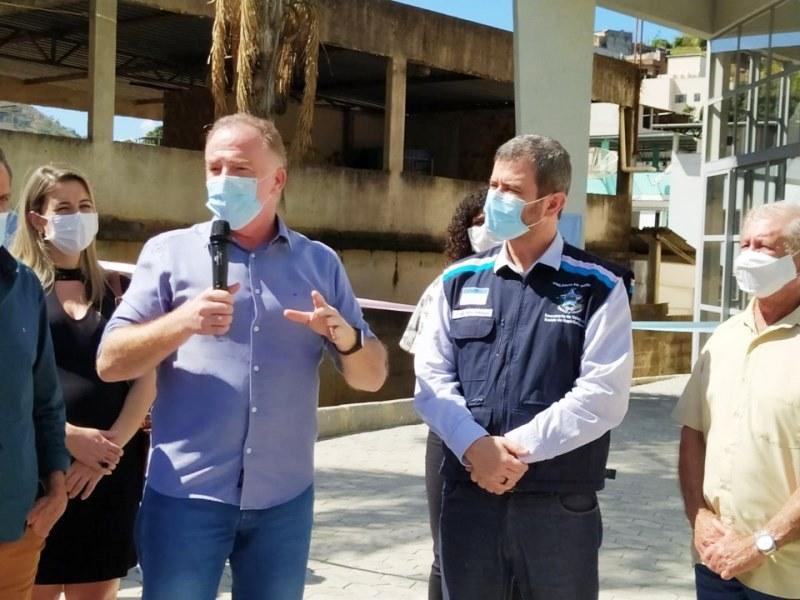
(96, 455)
(722, 549)
(494, 463)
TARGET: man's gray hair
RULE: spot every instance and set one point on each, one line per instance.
(783, 212)
(5, 165)
(549, 159)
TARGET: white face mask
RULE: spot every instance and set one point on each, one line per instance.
(762, 275)
(72, 234)
(480, 239)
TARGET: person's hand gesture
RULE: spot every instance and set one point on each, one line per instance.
(326, 321)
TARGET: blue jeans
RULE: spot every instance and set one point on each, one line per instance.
(711, 586)
(183, 545)
(519, 545)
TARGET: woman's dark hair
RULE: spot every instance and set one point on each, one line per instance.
(457, 245)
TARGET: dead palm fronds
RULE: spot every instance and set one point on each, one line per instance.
(258, 48)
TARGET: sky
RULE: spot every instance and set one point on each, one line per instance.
(495, 13)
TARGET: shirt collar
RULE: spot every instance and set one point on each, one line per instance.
(283, 233)
(8, 265)
(790, 320)
(551, 257)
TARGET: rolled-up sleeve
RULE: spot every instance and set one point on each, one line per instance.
(48, 404)
(149, 294)
(599, 399)
(437, 395)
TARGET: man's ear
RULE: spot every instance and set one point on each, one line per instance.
(279, 181)
(37, 221)
(557, 203)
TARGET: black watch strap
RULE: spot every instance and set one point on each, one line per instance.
(356, 347)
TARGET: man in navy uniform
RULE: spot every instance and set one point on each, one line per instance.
(523, 368)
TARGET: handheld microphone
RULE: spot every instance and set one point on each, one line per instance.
(218, 242)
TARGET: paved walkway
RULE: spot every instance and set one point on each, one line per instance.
(371, 535)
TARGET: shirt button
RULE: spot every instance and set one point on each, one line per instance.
(258, 291)
(256, 368)
(254, 409)
(249, 451)
(256, 328)
(253, 255)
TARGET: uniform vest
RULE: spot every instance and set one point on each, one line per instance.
(518, 342)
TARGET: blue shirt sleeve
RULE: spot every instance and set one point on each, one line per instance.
(149, 294)
(48, 404)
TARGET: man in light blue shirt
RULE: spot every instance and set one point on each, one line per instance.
(234, 422)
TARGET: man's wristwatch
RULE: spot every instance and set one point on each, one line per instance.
(765, 543)
(357, 346)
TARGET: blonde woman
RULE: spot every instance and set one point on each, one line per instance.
(91, 547)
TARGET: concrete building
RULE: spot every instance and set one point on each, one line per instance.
(682, 89)
(613, 43)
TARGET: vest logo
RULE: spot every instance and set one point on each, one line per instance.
(570, 303)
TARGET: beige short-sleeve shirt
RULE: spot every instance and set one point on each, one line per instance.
(744, 395)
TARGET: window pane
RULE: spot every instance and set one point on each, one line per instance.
(738, 298)
(715, 204)
(793, 126)
(786, 33)
(739, 122)
(743, 69)
(792, 189)
(711, 290)
(744, 197)
(721, 137)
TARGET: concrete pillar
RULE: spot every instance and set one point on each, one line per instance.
(395, 115)
(102, 68)
(653, 267)
(553, 80)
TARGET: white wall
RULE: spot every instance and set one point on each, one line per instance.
(686, 197)
(657, 92)
(604, 119)
(690, 65)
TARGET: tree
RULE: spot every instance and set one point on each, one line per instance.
(154, 137)
(258, 48)
(661, 43)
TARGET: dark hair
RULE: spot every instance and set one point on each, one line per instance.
(4, 163)
(458, 245)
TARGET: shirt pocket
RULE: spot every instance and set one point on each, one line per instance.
(473, 338)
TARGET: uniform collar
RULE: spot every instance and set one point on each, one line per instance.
(551, 257)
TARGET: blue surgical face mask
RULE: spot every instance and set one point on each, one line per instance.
(8, 226)
(503, 211)
(233, 199)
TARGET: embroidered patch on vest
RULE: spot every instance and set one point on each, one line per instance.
(571, 302)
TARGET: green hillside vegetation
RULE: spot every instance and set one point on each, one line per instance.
(22, 117)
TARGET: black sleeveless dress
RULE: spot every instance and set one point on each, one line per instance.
(93, 541)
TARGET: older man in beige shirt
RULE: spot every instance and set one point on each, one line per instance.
(740, 442)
